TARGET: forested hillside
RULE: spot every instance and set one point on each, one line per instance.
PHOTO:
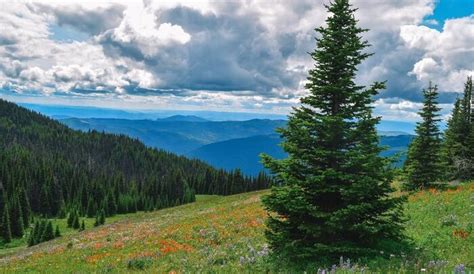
(48, 169)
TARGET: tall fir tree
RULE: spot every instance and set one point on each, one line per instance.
(25, 207)
(5, 230)
(423, 166)
(452, 143)
(57, 233)
(16, 218)
(48, 232)
(458, 146)
(331, 196)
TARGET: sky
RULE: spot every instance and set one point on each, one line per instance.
(237, 55)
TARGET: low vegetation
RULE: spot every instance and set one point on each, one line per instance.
(226, 234)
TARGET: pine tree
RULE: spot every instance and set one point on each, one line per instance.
(42, 226)
(423, 165)
(452, 144)
(25, 207)
(458, 146)
(57, 233)
(76, 224)
(83, 226)
(5, 229)
(96, 222)
(70, 218)
(35, 235)
(16, 218)
(31, 238)
(331, 195)
(102, 217)
(48, 232)
(91, 208)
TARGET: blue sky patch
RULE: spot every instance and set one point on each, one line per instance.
(448, 9)
(67, 34)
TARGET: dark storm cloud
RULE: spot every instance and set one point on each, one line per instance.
(91, 22)
(225, 53)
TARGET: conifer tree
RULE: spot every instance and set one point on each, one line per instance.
(452, 144)
(70, 218)
(97, 222)
(91, 208)
(36, 232)
(458, 146)
(76, 224)
(423, 165)
(48, 232)
(31, 237)
(102, 217)
(331, 195)
(16, 218)
(25, 208)
(5, 229)
(57, 233)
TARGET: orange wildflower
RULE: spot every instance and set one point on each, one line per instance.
(171, 246)
(460, 233)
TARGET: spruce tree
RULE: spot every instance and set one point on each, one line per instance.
(57, 233)
(5, 229)
(31, 238)
(16, 218)
(91, 208)
(25, 207)
(42, 225)
(76, 224)
(70, 218)
(37, 231)
(458, 148)
(452, 144)
(48, 232)
(423, 165)
(102, 217)
(331, 195)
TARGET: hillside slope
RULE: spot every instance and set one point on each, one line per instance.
(225, 234)
(240, 153)
(244, 153)
(49, 168)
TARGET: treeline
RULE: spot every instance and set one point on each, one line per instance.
(49, 170)
(434, 159)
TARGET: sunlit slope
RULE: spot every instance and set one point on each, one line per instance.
(211, 233)
(225, 234)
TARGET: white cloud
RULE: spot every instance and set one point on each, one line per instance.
(239, 54)
(448, 56)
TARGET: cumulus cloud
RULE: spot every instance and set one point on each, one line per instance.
(448, 55)
(248, 54)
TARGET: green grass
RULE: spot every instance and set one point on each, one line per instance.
(225, 234)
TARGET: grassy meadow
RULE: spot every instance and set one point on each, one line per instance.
(225, 234)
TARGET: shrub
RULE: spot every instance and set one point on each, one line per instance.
(139, 263)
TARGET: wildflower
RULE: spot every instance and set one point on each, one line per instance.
(459, 269)
(242, 260)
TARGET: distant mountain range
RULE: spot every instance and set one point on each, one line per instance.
(223, 139)
(223, 144)
(240, 153)
(62, 112)
(179, 134)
